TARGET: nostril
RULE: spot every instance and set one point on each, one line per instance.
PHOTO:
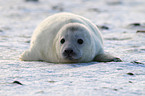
(71, 51)
(68, 51)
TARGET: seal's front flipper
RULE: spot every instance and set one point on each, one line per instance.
(28, 56)
(106, 58)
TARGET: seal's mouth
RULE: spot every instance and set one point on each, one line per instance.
(69, 57)
(69, 54)
(72, 58)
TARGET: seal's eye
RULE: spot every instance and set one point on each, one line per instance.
(62, 40)
(80, 41)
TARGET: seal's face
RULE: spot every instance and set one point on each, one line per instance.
(72, 42)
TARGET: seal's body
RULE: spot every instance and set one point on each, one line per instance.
(67, 38)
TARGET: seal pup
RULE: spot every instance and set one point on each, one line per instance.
(67, 38)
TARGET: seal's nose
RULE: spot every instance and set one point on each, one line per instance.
(68, 51)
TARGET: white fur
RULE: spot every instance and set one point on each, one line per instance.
(45, 39)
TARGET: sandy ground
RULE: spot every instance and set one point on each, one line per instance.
(118, 20)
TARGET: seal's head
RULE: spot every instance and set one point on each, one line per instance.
(73, 43)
